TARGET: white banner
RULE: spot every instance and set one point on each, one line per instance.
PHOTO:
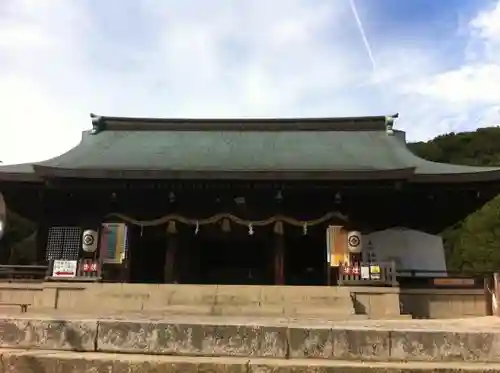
(64, 268)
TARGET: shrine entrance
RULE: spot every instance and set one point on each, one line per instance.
(147, 255)
(305, 258)
(235, 259)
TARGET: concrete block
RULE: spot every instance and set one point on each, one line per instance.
(310, 343)
(326, 343)
(238, 295)
(231, 340)
(48, 334)
(272, 295)
(61, 362)
(124, 336)
(247, 310)
(187, 309)
(191, 339)
(444, 346)
(361, 344)
(341, 312)
(46, 298)
(192, 294)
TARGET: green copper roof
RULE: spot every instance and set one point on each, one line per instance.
(330, 148)
(233, 151)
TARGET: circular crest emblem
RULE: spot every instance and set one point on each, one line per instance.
(354, 241)
(88, 239)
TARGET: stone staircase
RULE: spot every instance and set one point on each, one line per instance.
(330, 303)
(38, 343)
(15, 361)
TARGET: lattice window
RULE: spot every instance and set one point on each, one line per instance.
(63, 243)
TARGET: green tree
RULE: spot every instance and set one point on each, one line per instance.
(474, 243)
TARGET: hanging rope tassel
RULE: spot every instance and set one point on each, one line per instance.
(250, 229)
(172, 227)
(305, 229)
(197, 228)
(226, 225)
(278, 228)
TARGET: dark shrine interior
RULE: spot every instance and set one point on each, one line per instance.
(147, 254)
(305, 257)
(234, 259)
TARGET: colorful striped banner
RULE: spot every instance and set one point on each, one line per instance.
(113, 242)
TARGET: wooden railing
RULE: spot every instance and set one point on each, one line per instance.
(368, 274)
(29, 273)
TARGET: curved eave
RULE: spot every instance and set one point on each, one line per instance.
(19, 173)
(435, 172)
(395, 174)
(462, 177)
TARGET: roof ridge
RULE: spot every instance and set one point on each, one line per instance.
(367, 123)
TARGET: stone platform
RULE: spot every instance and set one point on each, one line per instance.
(15, 361)
(226, 300)
(462, 340)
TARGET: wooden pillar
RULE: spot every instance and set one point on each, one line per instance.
(489, 294)
(41, 233)
(496, 294)
(279, 254)
(171, 253)
(42, 229)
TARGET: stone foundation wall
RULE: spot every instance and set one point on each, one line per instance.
(232, 300)
(419, 303)
(279, 340)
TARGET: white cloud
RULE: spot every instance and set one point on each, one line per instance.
(60, 60)
(467, 96)
(38, 58)
(470, 85)
(487, 24)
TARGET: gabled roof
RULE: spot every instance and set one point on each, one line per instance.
(359, 148)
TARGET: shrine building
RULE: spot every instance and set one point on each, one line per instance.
(235, 201)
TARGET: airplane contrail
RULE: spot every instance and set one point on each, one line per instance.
(363, 34)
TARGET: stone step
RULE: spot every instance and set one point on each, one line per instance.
(333, 313)
(27, 361)
(339, 308)
(252, 338)
(203, 297)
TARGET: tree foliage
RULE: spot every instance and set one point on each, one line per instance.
(19, 232)
(473, 244)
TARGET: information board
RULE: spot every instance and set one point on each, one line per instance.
(64, 268)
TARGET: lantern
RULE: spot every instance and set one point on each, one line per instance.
(89, 241)
(354, 243)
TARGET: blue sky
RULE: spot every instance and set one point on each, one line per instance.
(435, 62)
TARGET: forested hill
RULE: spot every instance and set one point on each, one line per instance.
(474, 243)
